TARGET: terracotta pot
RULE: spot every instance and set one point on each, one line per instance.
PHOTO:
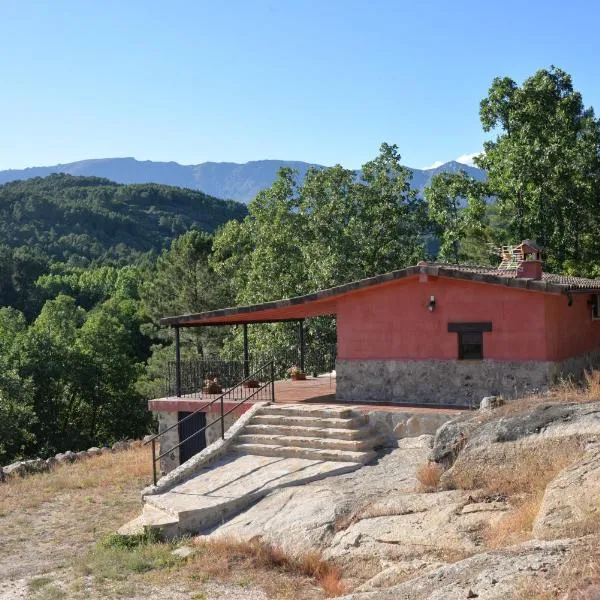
(298, 376)
(212, 389)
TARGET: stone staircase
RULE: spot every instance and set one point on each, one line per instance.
(280, 446)
(311, 432)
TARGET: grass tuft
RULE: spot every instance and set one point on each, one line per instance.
(428, 476)
(228, 553)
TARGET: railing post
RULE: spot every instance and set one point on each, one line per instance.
(272, 375)
(154, 461)
(177, 363)
(246, 353)
(222, 420)
(301, 343)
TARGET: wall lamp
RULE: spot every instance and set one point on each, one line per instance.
(431, 303)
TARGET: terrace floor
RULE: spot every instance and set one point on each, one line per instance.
(317, 390)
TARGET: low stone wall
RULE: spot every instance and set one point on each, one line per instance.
(23, 468)
(437, 382)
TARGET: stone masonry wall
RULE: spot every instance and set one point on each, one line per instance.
(168, 441)
(461, 383)
(452, 382)
(171, 439)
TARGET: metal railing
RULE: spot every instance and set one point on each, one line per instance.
(194, 372)
(259, 385)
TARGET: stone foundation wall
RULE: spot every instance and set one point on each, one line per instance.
(451, 382)
(437, 382)
(575, 367)
(171, 438)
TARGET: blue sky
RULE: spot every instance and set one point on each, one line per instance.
(236, 80)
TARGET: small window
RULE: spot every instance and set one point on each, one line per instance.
(470, 345)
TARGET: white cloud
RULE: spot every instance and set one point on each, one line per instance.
(467, 159)
(435, 165)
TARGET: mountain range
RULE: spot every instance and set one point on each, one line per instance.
(226, 180)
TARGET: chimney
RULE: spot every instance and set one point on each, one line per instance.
(529, 264)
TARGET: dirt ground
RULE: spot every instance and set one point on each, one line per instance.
(53, 542)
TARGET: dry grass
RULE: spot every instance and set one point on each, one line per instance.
(525, 470)
(230, 555)
(50, 520)
(522, 479)
(94, 474)
(578, 578)
(565, 390)
(428, 476)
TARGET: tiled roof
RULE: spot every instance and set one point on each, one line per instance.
(567, 282)
(550, 283)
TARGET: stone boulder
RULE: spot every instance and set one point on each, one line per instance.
(490, 403)
(435, 527)
(571, 503)
(466, 441)
(451, 437)
(495, 575)
(94, 451)
(26, 467)
(120, 446)
(66, 457)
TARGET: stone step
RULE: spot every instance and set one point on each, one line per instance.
(363, 444)
(310, 410)
(160, 521)
(235, 482)
(340, 434)
(328, 423)
(307, 453)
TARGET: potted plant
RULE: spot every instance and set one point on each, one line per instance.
(252, 383)
(296, 373)
(211, 386)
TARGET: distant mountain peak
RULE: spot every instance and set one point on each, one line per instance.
(228, 180)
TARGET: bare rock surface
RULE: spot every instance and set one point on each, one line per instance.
(438, 526)
(571, 504)
(469, 440)
(552, 420)
(495, 575)
(306, 517)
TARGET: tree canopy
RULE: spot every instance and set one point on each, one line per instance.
(544, 165)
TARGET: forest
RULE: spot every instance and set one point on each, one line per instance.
(88, 267)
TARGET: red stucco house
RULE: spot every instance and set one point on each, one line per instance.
(446, 334)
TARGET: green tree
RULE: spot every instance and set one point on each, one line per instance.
(335, 227)
(181, 282)
(457, 208)
(544, 164)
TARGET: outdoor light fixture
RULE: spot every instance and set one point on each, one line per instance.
(431, 303)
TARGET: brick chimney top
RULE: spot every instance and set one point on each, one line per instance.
(530, 263)
(525, 260)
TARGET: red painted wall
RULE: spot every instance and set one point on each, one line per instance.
(571, 331)
(392, 321)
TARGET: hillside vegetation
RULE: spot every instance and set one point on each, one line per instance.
(88, 267)
(84, 219)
